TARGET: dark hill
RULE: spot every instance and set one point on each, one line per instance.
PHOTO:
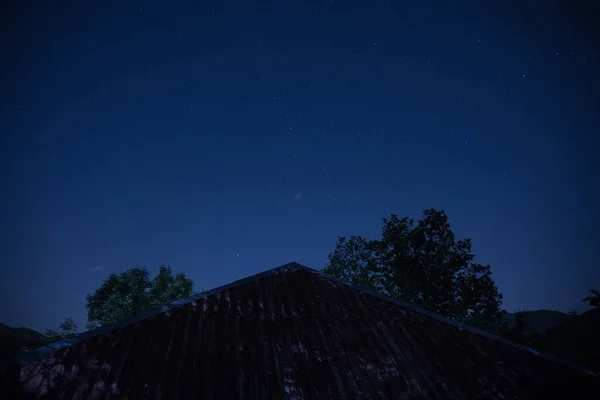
(538, 321)
(14, 340)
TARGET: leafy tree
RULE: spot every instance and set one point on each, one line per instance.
(422, 264)
(132, 291)
(67, 329)
(594, 299)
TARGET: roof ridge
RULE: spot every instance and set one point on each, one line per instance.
(50, 348)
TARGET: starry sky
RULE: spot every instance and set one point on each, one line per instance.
(226, 138)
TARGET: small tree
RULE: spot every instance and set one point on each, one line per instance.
(132, 291)
(67, 328)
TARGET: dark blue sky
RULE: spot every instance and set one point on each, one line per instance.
(226, 138)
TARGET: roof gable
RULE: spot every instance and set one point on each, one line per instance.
(84, 336)
(281, 269)
(286, 330)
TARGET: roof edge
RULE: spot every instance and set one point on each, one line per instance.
(460, 325)
(82, 337)
(50, 348)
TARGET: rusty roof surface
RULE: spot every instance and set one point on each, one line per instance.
(290, 333)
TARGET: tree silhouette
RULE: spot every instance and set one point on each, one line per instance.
(594, 299)
(66, 329)
(132, 291)
(422, 264)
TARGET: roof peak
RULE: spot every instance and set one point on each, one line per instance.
(291, 266)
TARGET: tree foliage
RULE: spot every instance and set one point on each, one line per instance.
(67, 328)
(422, 263)
(132, 291)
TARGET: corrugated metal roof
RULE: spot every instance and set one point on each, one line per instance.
(289, 333)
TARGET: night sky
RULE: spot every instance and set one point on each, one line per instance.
(226, 138)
